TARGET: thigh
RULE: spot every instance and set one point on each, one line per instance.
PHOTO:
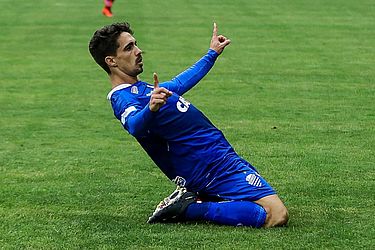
(240, 181)
(272, 202)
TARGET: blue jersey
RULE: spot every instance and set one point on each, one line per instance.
(179, 138)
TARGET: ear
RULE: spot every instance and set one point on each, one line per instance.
(110, 61)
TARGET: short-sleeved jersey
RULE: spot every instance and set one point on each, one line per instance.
(179, 138)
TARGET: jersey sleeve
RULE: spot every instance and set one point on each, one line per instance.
(190, 77)
(133, 116)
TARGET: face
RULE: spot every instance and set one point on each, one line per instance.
(129, 57)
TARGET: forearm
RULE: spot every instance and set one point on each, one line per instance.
(190, 77)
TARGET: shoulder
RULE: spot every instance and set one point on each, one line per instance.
(120, 98)
(127, 95)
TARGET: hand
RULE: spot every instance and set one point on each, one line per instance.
(218, 43)
(159, 96)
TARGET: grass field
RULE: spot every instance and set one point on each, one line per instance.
(294, 94)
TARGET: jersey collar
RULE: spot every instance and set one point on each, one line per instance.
(121, 86)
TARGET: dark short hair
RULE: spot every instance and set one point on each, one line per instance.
(104, 42)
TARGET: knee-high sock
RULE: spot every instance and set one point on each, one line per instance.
(234, 213)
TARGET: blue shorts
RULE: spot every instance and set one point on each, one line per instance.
(237, 180)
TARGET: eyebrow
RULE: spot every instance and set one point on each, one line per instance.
(130, 43)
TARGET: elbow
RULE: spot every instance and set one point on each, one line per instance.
(136, 132)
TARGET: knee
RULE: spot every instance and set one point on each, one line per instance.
(283, 217)
(277, 214)
(277, 217)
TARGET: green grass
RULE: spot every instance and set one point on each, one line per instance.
(294, 94)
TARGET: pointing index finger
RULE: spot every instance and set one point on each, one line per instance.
(156, 81)
(214, 32)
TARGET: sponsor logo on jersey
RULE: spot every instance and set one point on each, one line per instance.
(182, 105)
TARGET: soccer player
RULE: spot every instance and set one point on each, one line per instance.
(214, 183)
(107, 8)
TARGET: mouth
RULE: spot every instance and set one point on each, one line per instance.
(139, 61)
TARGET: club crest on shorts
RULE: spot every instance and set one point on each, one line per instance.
(254, 180)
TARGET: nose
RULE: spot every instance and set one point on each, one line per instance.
(138, 50)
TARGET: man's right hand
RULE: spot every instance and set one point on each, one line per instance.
(159, 96)
(218, 43)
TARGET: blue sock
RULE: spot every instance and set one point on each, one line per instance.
(234, 213)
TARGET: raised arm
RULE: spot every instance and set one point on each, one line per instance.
(190, 77)
(136, 121)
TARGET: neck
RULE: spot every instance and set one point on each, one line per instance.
(121, 79)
